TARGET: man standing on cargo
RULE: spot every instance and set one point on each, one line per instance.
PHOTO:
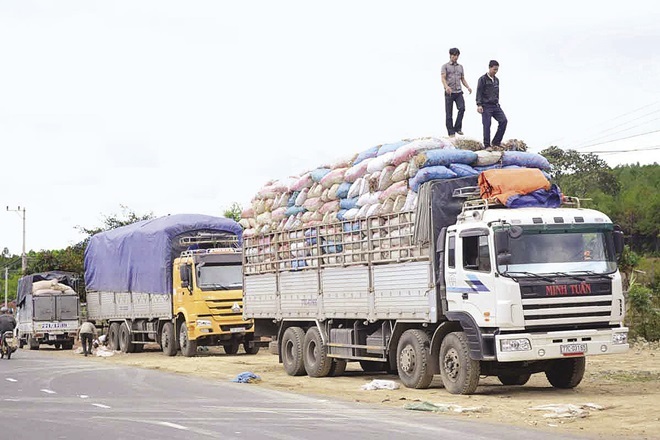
(488, 104)
(452, 77)
(87, 333)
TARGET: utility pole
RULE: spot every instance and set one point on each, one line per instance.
(6, 282)
(20, 211)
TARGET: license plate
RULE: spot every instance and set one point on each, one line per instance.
(237, 330)
(573, 348)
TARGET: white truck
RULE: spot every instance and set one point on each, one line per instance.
(48, 310)
(456, 287)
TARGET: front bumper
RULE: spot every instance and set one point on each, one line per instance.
(549, 345)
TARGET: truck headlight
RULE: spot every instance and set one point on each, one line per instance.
(619, 338)
(203, 323)
(515, 345)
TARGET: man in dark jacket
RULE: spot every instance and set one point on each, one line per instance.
(488, 104)
(7, 323)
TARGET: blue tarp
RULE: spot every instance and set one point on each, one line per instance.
(139, 257)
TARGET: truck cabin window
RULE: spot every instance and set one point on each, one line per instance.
(451, 252)
(476, 253)
(548, 252)
(214, 276)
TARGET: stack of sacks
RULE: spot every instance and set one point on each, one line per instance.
(323, 210)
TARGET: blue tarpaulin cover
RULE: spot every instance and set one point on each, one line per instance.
(139, 257)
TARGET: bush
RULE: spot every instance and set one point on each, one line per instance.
(644, 319)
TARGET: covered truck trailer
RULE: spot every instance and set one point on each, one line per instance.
(48, 310)
(173, 280)
(454, 288)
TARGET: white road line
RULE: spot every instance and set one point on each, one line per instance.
(9, 379)
(48, 391)
(83, 396)
(100, 405)
(173, 425)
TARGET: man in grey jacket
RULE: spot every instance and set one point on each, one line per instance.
(87, 333)
(452, 77)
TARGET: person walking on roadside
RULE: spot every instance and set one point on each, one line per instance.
(452, 78)
(488, 104)
(7, 323)
(86, 334)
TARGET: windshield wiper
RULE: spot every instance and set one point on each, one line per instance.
(568, 275)
(531, 274)
(596, 274)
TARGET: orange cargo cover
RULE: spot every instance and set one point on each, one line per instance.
(502, 184)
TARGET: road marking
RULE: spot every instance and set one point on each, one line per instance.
(83, 396)
(173, 425)
(48, 391)
(100, 405)
(9, 379)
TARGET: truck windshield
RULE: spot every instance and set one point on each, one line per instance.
(214, 276)
(538, 252)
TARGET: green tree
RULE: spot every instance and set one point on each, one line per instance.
(233, 212)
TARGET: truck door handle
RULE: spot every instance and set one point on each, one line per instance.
(465, 295)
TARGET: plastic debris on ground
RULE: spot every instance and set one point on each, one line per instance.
(247, 377)
(104, 351)
(380, 384)
(444, 407)
(567, 410)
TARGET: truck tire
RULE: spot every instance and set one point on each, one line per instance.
(292, 351)
(315, 354)
(514, 379)
(68, 345)
(113, 336)
(413, 359)
(460, 374)
(231, 347)
(250, 349)
(188, 347)
(168, 340)
(33, 343)
(338, 367)
(125, 344)
(58, 346)
(21, 342)
(566, 373)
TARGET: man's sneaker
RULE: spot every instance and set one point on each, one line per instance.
(452, 135)
(460, 133)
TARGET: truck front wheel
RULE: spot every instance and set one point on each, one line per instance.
(315, 354)
(566, 373)
(460, 374)
(413, 363)
(292, 351)
(168, 340)
(514, 379)
(188, 347)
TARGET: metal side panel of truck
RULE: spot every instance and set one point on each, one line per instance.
(125, 305)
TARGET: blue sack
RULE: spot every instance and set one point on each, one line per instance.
(430, 173)
(318, 174)
(366, 154)
(348, 203)
(387, 148)
(342, 191)
(446, 156)
(340, 214)
(294, 210)
(463, 170)
(292, 200)
(525, 159)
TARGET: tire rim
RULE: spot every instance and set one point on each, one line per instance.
(313, 351)
(407, 359)
(288, 352)
(451, 364)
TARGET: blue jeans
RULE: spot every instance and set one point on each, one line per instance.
(493, 111)
(449, 110)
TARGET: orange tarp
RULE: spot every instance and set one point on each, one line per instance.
(502, 184)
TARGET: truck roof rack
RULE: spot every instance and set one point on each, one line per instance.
(215, 240)
(467, 192)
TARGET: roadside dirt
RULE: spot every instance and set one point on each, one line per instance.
(626, 386)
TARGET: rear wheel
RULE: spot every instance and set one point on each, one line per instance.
(413, 363)
(231, 347)
(566, 373)
(33, 343)
(113, 336)
(250, 348)
(460, 374)
(168, 340)
(58, 346)
(514, 379)
(125, 344)
(188, 347)
(338, 367)
(315, 354)
(292, 351)
(67, 345)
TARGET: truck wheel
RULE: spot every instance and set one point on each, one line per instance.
(292, 351)
(67, 345)
(566, 373)
(113, 336)
(460, 374)
(125, 344)
(168, 340)
(315, 354)
(231, 347)
(413, 353)
(33, 343)
(254, 349)
(372, 366)
(188, 347)
(58, 346)
(338, 367)
(21, 342)
(514, 379)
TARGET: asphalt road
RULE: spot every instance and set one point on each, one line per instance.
(43, 396)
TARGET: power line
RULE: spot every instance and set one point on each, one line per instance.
(617, 132)
(654, 147)
(621, 139)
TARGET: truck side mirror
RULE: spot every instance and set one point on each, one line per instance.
(502, 241)
(185, 275)
(618, 242)
(503, 259)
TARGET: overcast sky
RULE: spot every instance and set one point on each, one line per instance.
(185, 107)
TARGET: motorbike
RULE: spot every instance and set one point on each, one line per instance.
(8, 345)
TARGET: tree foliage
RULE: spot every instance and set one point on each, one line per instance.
(233, 212)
